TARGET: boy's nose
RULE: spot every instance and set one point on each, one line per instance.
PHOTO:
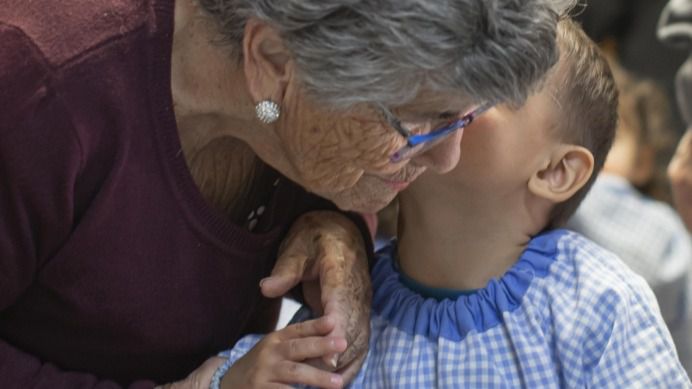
(675, 24)
(442, 157)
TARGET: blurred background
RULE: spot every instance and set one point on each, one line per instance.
(635, 217)
(627, 29)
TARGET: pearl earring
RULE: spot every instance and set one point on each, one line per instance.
(267, 111)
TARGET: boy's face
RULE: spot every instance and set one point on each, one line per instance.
(501, 150)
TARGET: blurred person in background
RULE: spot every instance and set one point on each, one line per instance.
(675, 28)
(627, 29)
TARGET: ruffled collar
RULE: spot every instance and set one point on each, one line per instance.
(453, 319)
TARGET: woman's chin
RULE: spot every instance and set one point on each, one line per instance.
(363, 205)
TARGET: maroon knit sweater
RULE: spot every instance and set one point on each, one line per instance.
(113, 269)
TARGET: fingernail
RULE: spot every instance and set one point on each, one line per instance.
(263, 280)
(334, 360)
(335, 379)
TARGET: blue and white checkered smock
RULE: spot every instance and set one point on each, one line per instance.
(650, 237)
(568, 314)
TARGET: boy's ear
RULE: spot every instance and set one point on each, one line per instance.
(267, 62)
(568, 170)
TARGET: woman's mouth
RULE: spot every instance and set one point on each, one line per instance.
(397, 185)
(400, 182)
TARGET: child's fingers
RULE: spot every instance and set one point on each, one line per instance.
(311, 347)
(299, 373)
(277, 386)
(316, 327)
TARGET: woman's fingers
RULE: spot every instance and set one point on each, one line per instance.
(321, 326)
(311, 347)
(287, 273)
(289, 371)
(277, 386)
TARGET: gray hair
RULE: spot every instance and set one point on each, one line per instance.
(385, 51)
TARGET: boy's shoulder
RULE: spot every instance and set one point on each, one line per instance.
(589, 290)
(599, 310)
(584, 270)
(595, 321)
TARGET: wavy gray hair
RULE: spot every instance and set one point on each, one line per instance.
(385, 51)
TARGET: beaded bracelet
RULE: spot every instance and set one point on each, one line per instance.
(221, 370)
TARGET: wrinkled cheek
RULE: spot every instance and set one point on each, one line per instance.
(377, 146)
(325, 180)
(367, 196)
(334, 156)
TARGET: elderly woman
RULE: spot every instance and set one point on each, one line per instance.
(153, 155)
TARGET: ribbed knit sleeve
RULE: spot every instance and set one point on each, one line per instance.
(40, 163)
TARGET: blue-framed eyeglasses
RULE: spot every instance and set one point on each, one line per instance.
(417, 144)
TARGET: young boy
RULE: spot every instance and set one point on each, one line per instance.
(481, 289)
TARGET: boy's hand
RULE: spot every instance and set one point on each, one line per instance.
(277, 361)
(325, 252)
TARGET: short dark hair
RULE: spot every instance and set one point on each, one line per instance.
(588, 103)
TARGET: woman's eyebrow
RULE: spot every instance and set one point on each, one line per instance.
(436, 114)
(448, 114)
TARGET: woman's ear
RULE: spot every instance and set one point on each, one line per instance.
(567, 171)
(267, 63)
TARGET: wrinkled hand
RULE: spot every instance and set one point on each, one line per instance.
(325, 251)
(680, 174)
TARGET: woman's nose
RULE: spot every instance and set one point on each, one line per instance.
(444, 156)
(675, 24)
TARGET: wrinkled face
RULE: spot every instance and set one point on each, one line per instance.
(345, 156)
